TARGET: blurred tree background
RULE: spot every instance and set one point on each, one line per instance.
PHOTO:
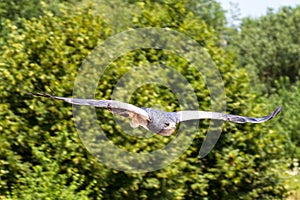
(44, 43)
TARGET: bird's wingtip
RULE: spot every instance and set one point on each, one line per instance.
(277, 110)
(41, 94)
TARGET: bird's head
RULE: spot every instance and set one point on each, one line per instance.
(168, 128)
(162, 123)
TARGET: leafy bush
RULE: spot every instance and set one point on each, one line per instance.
(39, 141)
(269, 45)
(287, 95)
(45, 52)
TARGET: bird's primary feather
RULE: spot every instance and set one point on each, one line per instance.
(193, 115)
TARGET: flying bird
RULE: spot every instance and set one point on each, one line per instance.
(158, 121)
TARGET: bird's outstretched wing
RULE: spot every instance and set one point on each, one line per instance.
(194, 115)
(136, 114)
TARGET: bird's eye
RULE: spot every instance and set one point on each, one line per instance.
(167, 124)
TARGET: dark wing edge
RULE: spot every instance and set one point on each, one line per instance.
(112, 105)
(242, 119)
(194, 115)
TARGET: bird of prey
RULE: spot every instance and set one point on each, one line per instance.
(158, 121)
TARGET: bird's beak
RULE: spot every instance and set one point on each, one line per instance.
(172, 126)
(167, 132)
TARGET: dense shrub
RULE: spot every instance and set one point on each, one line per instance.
(269, 46)
(42, 155)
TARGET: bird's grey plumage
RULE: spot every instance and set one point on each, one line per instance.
(163, 123)
(158, 121)
(192, 115)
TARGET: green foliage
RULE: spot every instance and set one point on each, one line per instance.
(207, 10)
(45, 52)
(19, 9)
(49, 184)
(41, 156)
(287, 95)
(270, 46)
(16, 9)
(120, 13)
